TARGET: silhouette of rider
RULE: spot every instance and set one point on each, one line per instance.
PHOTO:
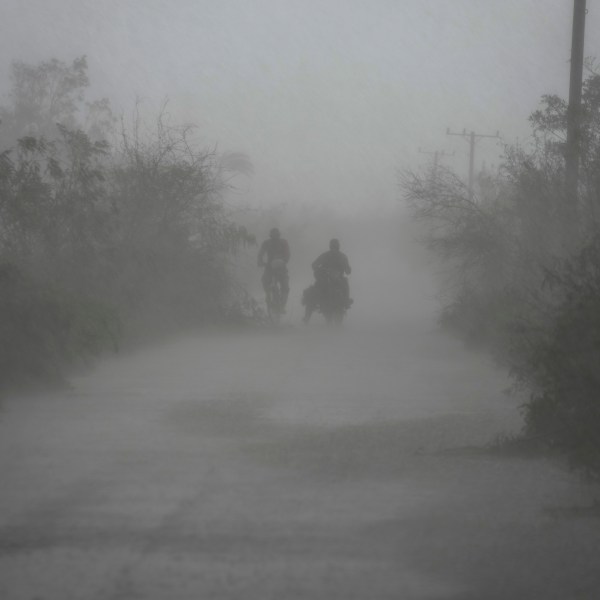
(276, 250)
(332, 261)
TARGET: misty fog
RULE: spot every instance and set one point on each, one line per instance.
(167, 430)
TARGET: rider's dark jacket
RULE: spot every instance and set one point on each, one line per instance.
(333, 260)
(274, 248)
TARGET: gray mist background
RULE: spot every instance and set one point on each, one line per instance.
(299, 462)
(328, 99)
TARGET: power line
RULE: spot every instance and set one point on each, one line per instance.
(437, 154)
(472, 137)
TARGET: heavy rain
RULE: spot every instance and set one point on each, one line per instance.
(299, 300)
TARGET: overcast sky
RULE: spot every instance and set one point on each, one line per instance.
(327, 97)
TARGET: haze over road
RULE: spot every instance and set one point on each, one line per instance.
(288, 464)
(327, 99)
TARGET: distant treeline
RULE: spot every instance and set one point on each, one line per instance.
(105, 228)
(523, 271)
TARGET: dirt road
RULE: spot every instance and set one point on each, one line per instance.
(298, 464)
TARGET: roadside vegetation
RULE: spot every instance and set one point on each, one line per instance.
(522, 272)
(109, 231)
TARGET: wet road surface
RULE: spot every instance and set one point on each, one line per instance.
(296, 464)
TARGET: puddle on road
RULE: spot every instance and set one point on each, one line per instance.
(238, 415)
(370, 449)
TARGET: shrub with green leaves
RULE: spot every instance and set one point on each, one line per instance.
(521, 260)
(44, 329)
(90, 230)
(561, 364)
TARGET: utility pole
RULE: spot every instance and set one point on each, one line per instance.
(574, 112)
(436, 158)
(472, 137)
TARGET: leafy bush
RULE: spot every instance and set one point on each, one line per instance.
(44, 328)
(522, 272)
(90, 230)
(561, 364)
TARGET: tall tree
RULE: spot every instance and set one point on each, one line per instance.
(49, 94)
